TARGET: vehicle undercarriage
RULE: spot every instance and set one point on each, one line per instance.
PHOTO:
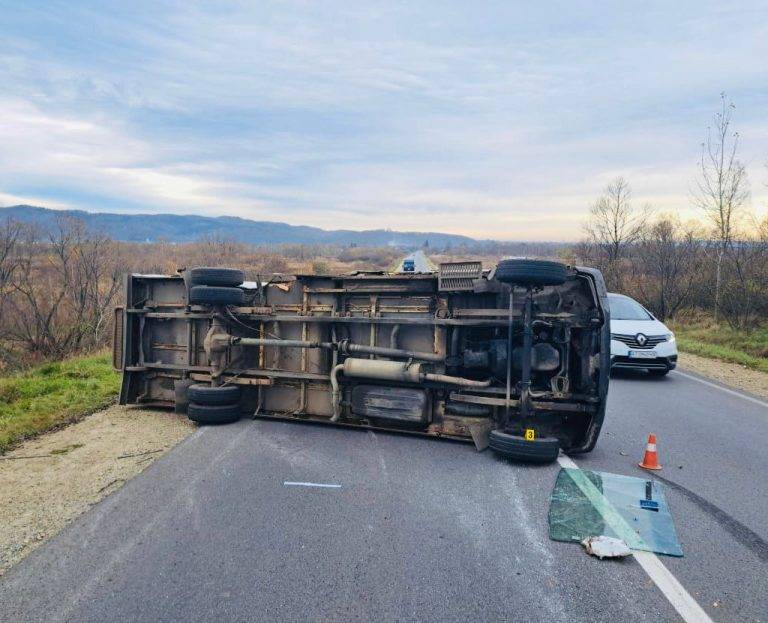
(516, 358)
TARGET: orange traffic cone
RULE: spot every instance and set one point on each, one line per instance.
(651, 459)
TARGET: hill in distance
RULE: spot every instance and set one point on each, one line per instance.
(188, 228)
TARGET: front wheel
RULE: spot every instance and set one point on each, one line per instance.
(542, 450)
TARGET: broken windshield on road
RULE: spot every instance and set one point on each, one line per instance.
(586, 503)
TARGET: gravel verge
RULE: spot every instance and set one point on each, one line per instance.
(732, 374)
(48, 481)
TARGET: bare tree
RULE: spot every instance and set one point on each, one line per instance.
(745, 290)
(63, 287)
(10, 232)
(722, 186)
(665, 266)
(613, 227)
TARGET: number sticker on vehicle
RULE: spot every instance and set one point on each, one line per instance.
(530, 434)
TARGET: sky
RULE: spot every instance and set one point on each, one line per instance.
(499, 120)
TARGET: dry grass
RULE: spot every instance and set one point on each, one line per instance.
(703, 337)
(51, 395)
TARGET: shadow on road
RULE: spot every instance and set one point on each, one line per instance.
(638, 375)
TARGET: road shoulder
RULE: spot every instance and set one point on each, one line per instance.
(731, 374)
(48, 481)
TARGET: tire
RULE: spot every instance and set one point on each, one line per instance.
(207, 395)
(215, 295)
(544, 450)
(531, 272)
(658, 372)
(226, 277)
(213, 414)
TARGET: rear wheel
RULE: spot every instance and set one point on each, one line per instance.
(543, 450)
(216, 295)
(531, 272)
(205, 276)
(208, 395)
(213, 414)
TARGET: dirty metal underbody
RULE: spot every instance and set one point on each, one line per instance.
(422, 353)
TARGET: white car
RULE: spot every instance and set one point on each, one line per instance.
(638, 339)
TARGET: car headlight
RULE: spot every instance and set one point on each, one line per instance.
(671, 338)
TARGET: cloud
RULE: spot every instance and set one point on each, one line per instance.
(501, 123)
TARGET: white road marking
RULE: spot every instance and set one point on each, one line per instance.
(681, 600)
(668, 584)
(321, 485)
(722, 389)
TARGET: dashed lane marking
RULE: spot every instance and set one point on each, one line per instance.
(320, 485)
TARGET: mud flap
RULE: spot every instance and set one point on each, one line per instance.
(480, 433)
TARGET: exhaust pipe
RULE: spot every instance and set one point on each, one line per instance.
(390, 371)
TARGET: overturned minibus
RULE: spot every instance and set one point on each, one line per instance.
(516, 358)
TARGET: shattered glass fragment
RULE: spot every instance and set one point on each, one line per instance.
(586, 503)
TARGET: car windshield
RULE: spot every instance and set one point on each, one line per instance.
(624, 308)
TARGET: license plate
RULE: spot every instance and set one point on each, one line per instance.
(642, 354)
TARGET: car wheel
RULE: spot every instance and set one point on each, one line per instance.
(531, 272)
(227, 277)
(215, 295)
(213, 414)
(544, 450)
(208, 395)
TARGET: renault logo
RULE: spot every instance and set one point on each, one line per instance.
(641, 339)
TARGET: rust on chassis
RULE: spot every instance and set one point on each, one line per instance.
(516, 357)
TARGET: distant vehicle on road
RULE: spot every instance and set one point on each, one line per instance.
(416, 262)
(638, 339)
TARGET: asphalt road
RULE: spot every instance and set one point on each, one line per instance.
(421, 263)
(418, 530)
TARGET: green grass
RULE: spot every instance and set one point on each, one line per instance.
(54, 394)
(748, 348)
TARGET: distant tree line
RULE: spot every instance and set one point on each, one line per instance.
(58, 285)
(718, 265)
